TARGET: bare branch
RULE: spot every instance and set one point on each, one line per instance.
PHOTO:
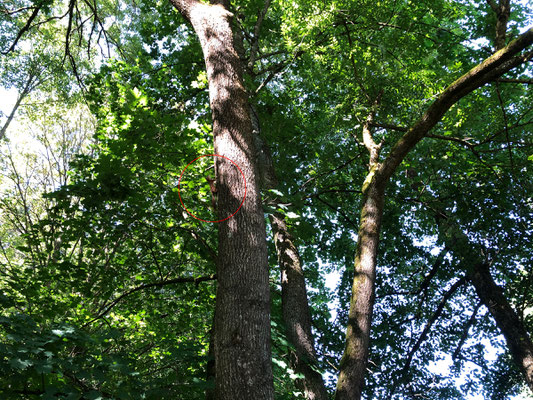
(389, 127)
(328, 172)
(470, 146)
(5, 11)
(271, 76)
(261, 56)
(523, 81)
(505, 125)
(354, 68)
(351, 222)
(25, 91)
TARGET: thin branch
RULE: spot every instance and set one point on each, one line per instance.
(257, 31)
(470, 146)
(25, 28)
(389, 126)
(505, 125)
(191, 279)
(47, 20)
(517, 125)
(354, 68)
(523, 81)
(440, 308)
(328, 172)
(25, 91)
(431, 274)
(280, 67)
(261, 56)
(337, 211)
(466, 328)
(270, 68)
(464, 142)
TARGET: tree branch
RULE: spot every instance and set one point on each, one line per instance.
(503, 12)
(191, 279)
(507, 320)
(25, 28)
(368, 140)
(28, 87)
(389, 126)
(257, 31)
(523, 81)
(337, 211)
(466, 328)
(470, 146)
(185, 7)
(328, 172)
(490, 69)
(403, 372)
(277, 70)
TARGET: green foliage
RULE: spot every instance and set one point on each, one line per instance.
(86, 308)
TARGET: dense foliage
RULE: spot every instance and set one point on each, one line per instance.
(107, 284)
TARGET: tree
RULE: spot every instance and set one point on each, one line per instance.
(345, 93)
(296, 313)
(242, 316)
(353, 366)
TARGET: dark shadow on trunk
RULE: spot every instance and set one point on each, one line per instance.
(296, 314)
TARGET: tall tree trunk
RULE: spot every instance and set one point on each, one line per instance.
(353, 364)
(502, 9)
(514, 331)
(242, 314)
(296, 314)
(354, 360)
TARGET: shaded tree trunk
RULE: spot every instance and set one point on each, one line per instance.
(502, 9)
(514, 331)
(354, 360)
(296, 314)
(210, 373)
(242, 315)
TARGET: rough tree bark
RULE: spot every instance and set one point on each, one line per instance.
(354, 359)
(353, 364)
(242, 314)
(296, 314)
(295, 308)
(502, 9)
(514, 331)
